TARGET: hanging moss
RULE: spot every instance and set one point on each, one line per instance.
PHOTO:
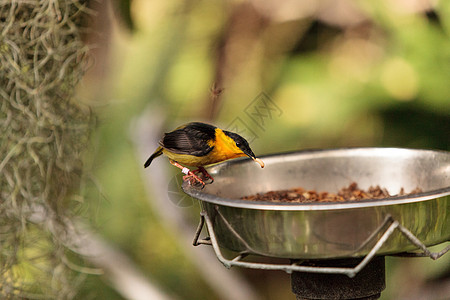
(44, 134)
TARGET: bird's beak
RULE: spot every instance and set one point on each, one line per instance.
(252, 156)
(260, 162)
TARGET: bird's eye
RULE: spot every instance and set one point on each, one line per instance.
(238, 144)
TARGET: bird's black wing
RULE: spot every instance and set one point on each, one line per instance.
(191, 139)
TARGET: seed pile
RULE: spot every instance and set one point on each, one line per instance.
(349, 193)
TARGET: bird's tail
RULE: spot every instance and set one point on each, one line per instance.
(155, 154)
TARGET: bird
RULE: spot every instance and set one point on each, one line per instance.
(198, 144)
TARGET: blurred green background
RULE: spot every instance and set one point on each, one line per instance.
(337, 74)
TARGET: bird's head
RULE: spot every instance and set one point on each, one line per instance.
(243, 146)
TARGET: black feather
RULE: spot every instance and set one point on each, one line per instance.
(241, 143)
(191, 139)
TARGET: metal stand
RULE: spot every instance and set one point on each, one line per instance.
(301, 266)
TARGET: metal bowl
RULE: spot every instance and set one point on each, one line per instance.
(329, 230)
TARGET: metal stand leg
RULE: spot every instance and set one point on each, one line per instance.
(297, 267)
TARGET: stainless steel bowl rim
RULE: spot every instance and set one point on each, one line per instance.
(268, 205)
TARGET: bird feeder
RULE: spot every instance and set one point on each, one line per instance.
(333, 250)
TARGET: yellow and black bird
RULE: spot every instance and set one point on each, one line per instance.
(198, 144)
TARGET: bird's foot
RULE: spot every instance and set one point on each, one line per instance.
(205, 174)
(194, 180)
(190, 176)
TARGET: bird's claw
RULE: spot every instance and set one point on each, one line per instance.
(194, 180)
(209, 178)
